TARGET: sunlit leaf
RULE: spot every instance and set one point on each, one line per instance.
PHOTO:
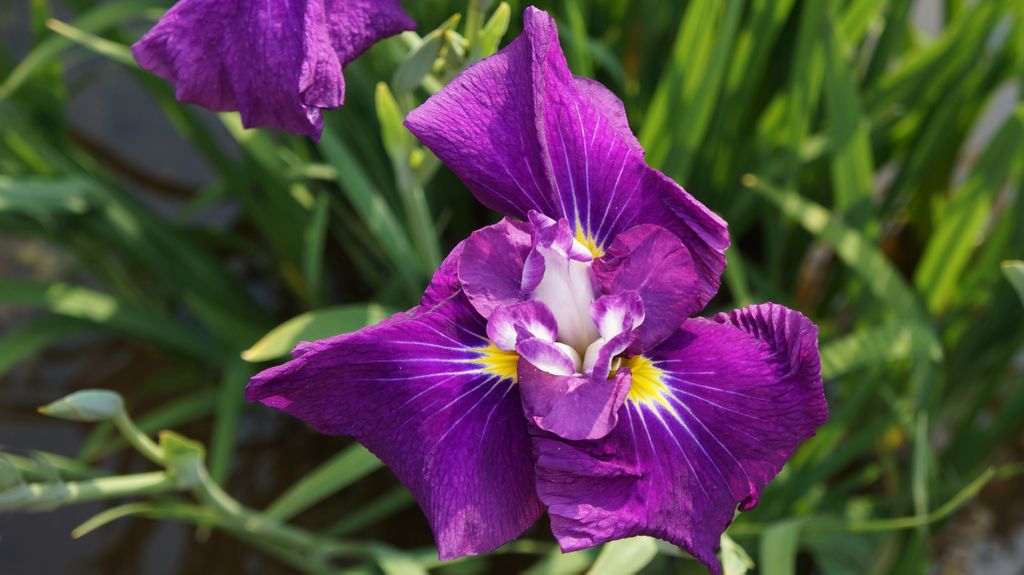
(314, 325)
(625, 556)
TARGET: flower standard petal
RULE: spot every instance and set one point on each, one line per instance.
(524, 135)
(427, 393)
(713, 413)
(278, 63)
(490, 268)
(653, 262)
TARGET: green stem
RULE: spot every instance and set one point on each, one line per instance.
(139, 440)
(41, 495)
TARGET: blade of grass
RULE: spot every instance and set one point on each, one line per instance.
(94, 21)
(391, 502)
(872, 266)
(103, 310)
(230, 400)
(1014, 271)
(374, 211)
(852, 165)
(876, 346)
(117, 52)
(21, 343)
(314, 325)
(624, 557)
(962, 224)
(337, 473)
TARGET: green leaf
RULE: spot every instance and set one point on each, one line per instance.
(231, 398)
(961, 226)
(96, 20)
(871, 265)
(625, 556)
(1014, 271)
(332, 476)
(21, 343)
(399, 564)
(108, 516)
(577, 51)
(419, 63)
(183, 457)
(735, 560)
(391, 502)
(679, 83)
(373, 209)
(314, 239)
(689, 133)
(117, 52)
(493, 31)
(558, 563)
(397, 140)
(41, 197)
(104, 310)
(879, 345)
(10, 477)
(314, 325)
(779, 547)
(852, 165)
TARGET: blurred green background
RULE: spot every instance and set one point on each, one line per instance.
(867, 154)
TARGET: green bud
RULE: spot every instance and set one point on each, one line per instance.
(10, 477)
(417, 64)
(397, 140)
(183, 456)
(89, 405)
(420, 61)
(493, 31)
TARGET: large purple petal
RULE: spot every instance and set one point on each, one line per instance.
(653, 262)
(428, 394)
(445, 282)
(713, 413)
(358, 24)
(524, 134)
(277, 62)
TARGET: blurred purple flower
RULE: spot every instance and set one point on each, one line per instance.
(554, 362)
(277, 62)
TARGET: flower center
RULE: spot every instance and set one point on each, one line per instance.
(568, 292)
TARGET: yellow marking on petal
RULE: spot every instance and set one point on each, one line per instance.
(588, 241)
(648, 386)
(498, 361)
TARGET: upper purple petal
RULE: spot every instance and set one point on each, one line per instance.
(422, 391)
(278, 62)
(653, 262)
(713, 414)
(524, 134)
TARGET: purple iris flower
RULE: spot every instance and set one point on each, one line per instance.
(277, 62)
(554, 363)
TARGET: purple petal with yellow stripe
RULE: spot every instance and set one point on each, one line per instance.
(711, 416)
(427, 393)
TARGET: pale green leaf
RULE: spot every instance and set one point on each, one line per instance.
(337, 473)
(314, 325)
(625, 556)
